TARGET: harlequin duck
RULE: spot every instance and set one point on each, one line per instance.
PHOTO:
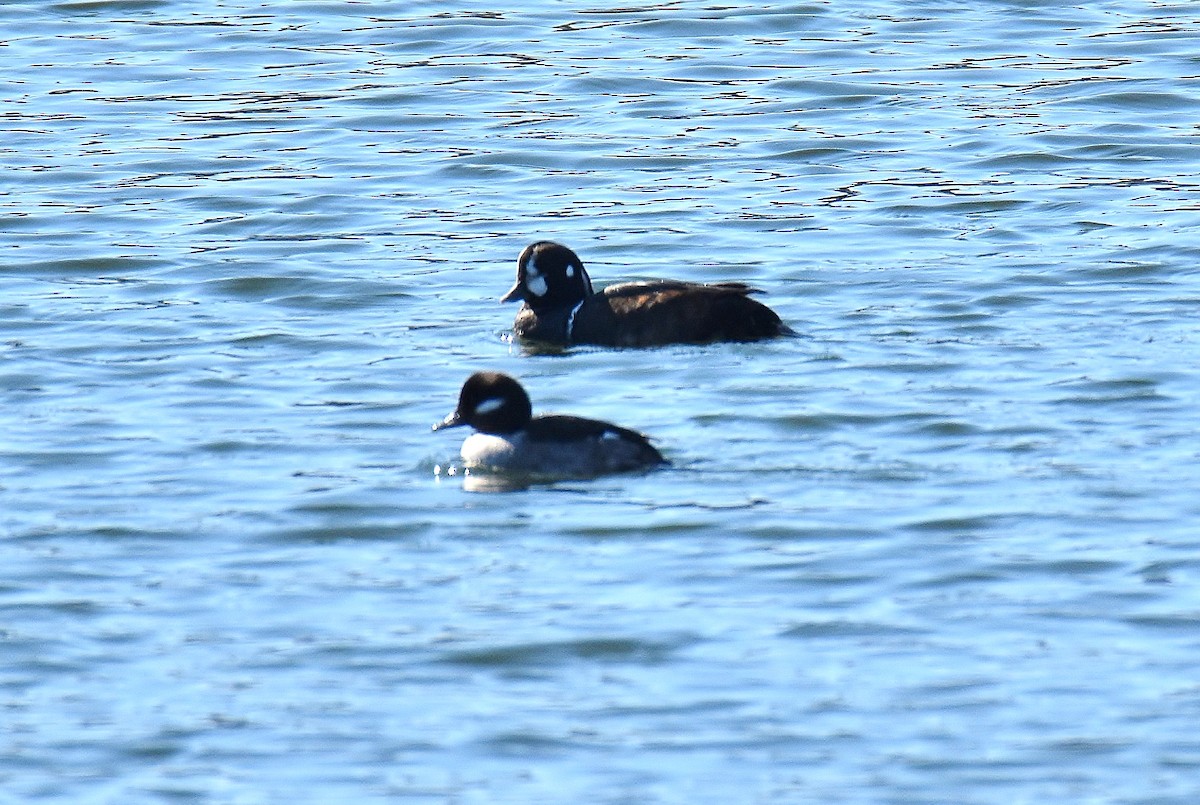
(561, 308)
(511, 438)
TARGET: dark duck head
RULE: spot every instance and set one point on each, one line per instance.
(549, 276)
(490, 402)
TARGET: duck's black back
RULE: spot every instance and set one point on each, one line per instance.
(671, 312)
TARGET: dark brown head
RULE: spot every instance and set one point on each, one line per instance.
(490, 402)
(549, 275)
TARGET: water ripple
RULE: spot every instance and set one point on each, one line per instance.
(252, 251)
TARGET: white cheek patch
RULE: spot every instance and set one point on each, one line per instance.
(535, 283)
(490, 405)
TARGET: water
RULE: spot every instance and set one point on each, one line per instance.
(940, 549)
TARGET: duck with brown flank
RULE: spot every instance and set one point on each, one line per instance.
(560, 307)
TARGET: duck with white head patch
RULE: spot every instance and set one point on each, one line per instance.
(560, 307)
(510, 439)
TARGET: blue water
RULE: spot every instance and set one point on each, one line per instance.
(942, 548)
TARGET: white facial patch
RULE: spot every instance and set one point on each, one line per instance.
(570, 271)
(535, 283)
(490, 405)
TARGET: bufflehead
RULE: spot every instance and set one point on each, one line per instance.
(561, 308)
(510, 438)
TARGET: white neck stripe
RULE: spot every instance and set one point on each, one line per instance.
(571, 320)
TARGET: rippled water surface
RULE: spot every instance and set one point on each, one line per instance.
(942, 548)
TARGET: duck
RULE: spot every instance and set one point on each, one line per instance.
(509, 438)
(560, 307)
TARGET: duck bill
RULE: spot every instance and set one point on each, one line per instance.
(517, 293)
(452, 420)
